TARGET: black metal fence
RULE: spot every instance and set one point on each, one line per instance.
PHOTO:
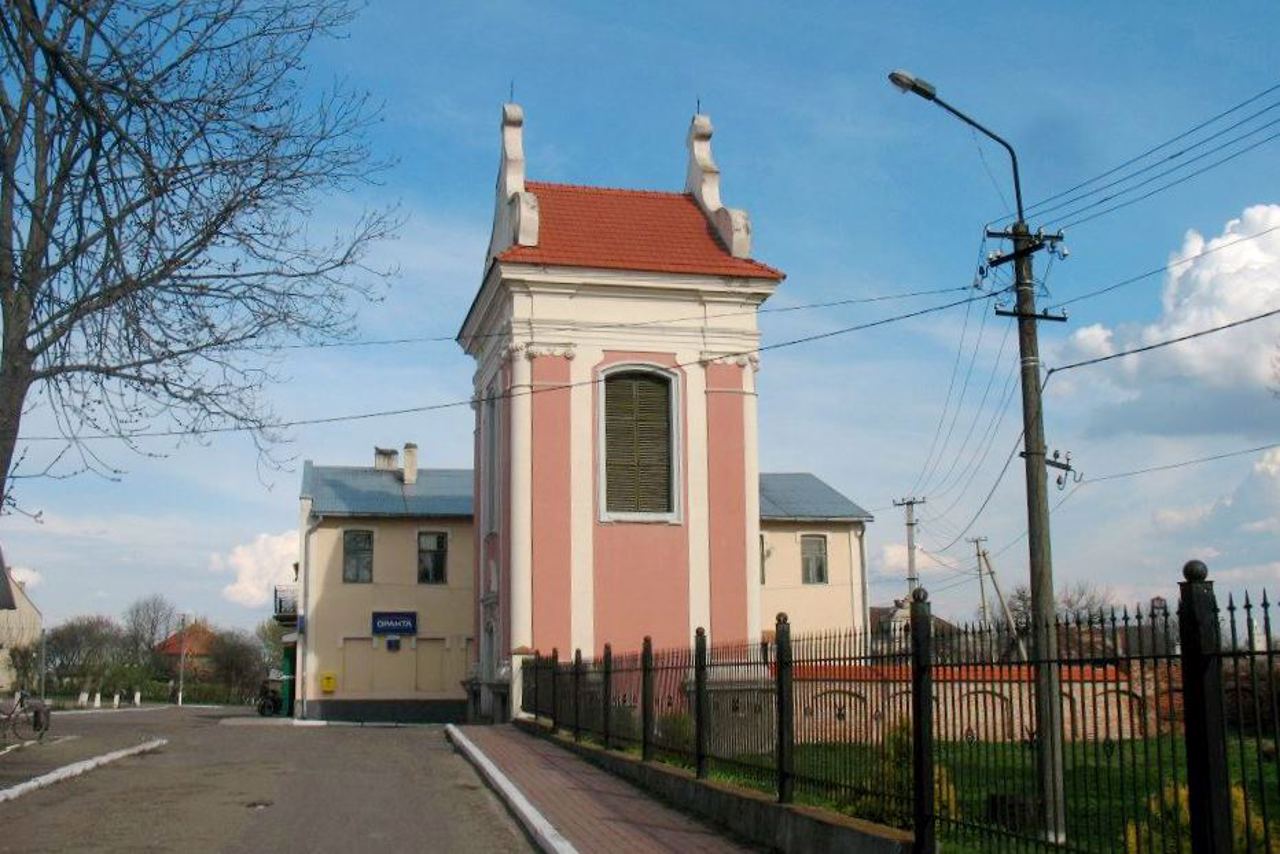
(1162, 734)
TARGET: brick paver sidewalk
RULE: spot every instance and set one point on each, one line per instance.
(591, 808)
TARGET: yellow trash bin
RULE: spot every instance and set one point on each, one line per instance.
(328, 682)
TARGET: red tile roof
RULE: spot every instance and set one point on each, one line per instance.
(628, 230)
(199, 641)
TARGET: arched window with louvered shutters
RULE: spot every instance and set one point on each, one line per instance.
(638, 443)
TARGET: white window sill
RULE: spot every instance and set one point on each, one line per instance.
(642, 518)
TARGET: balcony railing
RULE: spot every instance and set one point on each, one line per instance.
(286, 603)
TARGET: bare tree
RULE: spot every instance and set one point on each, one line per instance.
(82, 649)
(1083, 597)
(148, 621)
(161, 161)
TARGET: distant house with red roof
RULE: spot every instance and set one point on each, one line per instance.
(197, 641)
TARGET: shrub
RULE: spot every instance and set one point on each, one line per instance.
(25, 661)
(1169, 816)
(674, 732)
(891, 776)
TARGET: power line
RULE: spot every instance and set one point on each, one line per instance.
(1146, 348)
(1182, 464)
(1163, 187)
(1125, 178)
(946, 403)
(361, 416)
(1136, 158)
(964, 391)
(991, 492)
(1133, 351)
(1085, 363)
(436, 339)
(1164, 269)
(1139, 472)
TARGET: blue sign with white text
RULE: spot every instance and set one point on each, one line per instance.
(395, 622)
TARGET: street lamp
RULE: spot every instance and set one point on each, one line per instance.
(1049, 758)
(907, 82)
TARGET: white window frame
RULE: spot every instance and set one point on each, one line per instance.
(826, 558)
(675, 388)
(342, 553)
(448, 550)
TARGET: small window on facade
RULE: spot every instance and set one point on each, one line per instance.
(813, 555)
(433, 550)
(637, 452)
(357, 557)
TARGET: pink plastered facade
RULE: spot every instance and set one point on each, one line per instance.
(579, 283)
(633, 561)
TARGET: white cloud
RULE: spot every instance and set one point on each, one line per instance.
(1213, 384)
(1174, 518)
(892, 562)
(26, 576)
(259, 565)
(1092, 341)
(893, 558)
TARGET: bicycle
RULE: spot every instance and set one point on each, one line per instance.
(27, 718)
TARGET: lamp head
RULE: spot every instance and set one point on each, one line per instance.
(906, 82)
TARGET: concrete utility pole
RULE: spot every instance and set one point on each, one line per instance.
(1048, 704)
(1004, 606)
(913, 579)
(1044, 635)
(43, 661)
(182, 655)
(982, 585)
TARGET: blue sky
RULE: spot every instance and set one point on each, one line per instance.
(853, 190)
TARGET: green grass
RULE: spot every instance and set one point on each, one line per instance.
(1105, 790)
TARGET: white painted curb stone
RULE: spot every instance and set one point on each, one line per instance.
(61, 712)
(542, 831)
(75, 769)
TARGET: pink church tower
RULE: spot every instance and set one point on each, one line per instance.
(614, 335)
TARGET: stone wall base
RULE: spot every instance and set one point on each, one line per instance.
(751, 816)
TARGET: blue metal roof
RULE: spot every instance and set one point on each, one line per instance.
(366, 491)
(800, 495)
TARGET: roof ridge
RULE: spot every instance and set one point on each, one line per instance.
(392, 471)
(680, 194)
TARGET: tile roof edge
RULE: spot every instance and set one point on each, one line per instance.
(562, 185)
(764, 271)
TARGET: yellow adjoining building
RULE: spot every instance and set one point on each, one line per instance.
(385, 603)
(19, 627)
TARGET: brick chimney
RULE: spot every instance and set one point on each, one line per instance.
(410, 463)
(386, 459)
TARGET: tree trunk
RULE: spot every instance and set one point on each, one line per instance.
(15, 381)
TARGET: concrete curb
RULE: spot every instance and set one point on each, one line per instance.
(535, 823)
(61, 712)
(751, 816)
(75, 769)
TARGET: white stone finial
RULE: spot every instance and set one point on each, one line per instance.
(511, 169)
(515, 214)
(702, 181)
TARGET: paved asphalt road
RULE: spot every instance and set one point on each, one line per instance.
(252, 788)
